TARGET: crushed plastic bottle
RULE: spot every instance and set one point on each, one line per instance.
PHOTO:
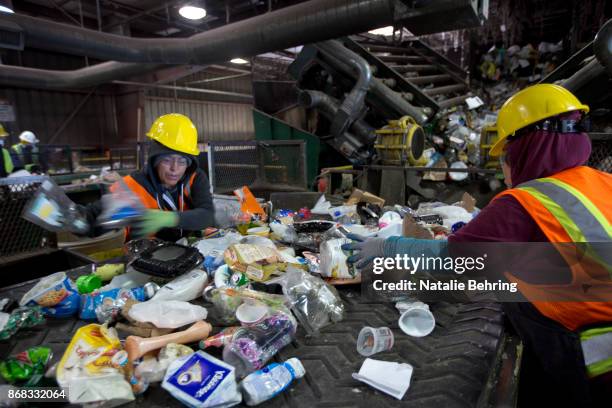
(270, 381)
(252, 347)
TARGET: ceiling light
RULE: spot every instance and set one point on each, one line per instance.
(386, 31)
(192, 12)
(4, 9)
(239, 61)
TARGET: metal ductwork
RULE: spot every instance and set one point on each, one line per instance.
(353, 104)
(354, 145)
(80, 78)
(307, 22)
(328, 106)
(377, 88)
(599, 65)
(602, 45)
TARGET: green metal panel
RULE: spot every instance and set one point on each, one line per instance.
(270, 128)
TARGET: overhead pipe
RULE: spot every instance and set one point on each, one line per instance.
(80, 78)
(352, 144)
(602, 45)
(383, 92)
(311, 21)
(328, 106)
(602, 63)
(353, 103)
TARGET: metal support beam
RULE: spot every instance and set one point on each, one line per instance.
(99, 15)
(64, 12)
(221, 78)
(187, 89)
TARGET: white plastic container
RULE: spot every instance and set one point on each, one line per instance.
(167, 314)
(416, 319)
(374, 340)
(186, 287)
(270, 381)
(130, 279)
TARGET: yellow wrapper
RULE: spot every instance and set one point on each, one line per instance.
(89, 354)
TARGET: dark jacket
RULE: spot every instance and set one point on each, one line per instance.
(202, 212)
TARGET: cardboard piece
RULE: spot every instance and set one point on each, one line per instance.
(359, 196)
(411, 229)
(468, 202)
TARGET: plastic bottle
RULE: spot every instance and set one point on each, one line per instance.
(270, 381)
(186, 287)
(130, 279)
(252, 347)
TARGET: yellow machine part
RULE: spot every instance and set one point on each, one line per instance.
(401, 142)
(488, 137)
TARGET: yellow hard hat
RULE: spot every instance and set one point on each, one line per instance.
(530, 106)
(3, 132)
(176, 132)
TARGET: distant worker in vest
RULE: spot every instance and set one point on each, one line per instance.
(552, 197)
(6, 161)
(27, 151)
(172, 187)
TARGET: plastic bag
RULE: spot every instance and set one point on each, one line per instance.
(56, 294)
(213, 248)
(107, 305)
(226, 300)
(315, 303)
(28, 366)
(120, 207)
(333, 260)
(152, 369)
(22, 317)
(52, 210)
(170, 314)
(89, 370)
(258, 262)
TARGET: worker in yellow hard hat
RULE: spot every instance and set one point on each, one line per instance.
(553, 197)
(6, 162)
(173, 189)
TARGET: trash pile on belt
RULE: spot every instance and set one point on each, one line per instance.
(204, 318)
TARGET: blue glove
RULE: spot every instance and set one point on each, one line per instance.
(367, 249)
(370, 248)
(416, 247)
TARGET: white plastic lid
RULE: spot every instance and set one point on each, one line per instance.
(298, 368)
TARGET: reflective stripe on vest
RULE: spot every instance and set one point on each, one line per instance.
(597, 350)
(578, 216)
(8, 161)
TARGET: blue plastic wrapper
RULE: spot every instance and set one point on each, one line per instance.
(211, 263)
(56, 294)
(91, 303)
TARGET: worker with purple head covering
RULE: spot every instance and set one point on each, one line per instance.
(552, 197)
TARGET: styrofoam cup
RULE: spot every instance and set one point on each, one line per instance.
(417, 321)
(374, 340)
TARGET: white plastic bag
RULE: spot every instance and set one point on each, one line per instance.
(167, 314)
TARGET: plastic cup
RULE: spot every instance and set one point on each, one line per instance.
(249, 314)
(417, 321)
(374, 340)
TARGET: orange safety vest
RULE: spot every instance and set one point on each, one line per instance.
(149, 201)
(570, 207)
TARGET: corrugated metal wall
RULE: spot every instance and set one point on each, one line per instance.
(44, 112)
(215, 121)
